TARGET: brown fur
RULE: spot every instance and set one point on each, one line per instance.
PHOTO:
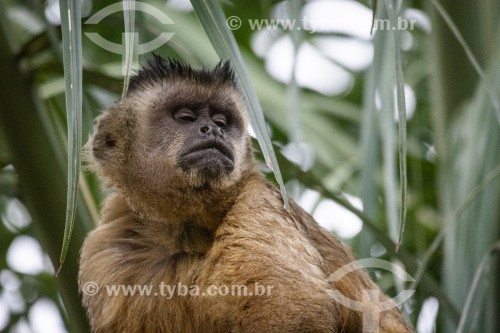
(163, 225)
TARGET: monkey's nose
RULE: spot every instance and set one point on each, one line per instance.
(211, 130)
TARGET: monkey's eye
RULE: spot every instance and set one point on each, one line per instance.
(185, 116)
(220, 120)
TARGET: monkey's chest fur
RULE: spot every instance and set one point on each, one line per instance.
(252, 274)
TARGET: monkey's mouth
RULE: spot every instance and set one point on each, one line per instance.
(208, 148)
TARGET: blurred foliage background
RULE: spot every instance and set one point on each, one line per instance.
(340, 141)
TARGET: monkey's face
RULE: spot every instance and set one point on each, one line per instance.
(200, 132)
(176, 128)
(209, 132)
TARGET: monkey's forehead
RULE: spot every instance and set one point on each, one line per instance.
(185, 92)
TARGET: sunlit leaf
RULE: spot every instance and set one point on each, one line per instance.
(401, 110)
(130, 41)
(72, 55)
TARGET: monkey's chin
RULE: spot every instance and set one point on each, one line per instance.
(207, 165)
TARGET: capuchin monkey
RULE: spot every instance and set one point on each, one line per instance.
(192, 238)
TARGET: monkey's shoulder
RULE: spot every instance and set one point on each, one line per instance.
(259, 225)
(260, 205)
(260, 211)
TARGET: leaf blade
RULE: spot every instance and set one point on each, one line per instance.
(72, 56)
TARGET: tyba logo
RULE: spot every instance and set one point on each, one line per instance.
(152, 45)
(370, 305)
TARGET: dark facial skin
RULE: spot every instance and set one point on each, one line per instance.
(208, 132)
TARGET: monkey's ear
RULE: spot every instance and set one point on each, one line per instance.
(104, 141)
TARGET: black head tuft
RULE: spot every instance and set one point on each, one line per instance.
(159, 69)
